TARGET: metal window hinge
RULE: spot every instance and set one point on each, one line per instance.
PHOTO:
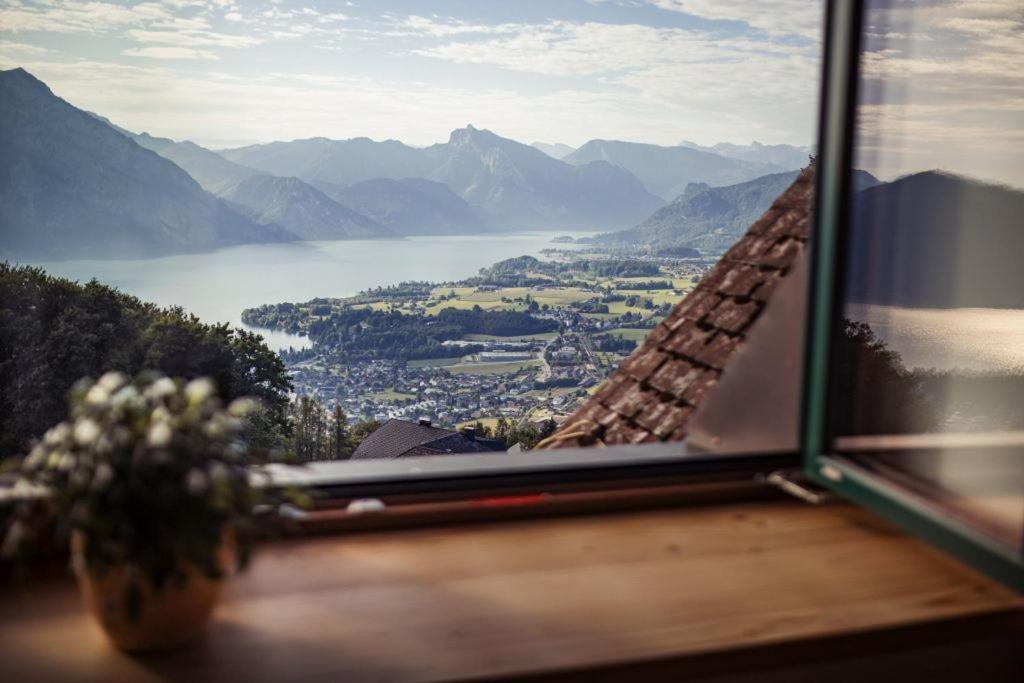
(796, 484)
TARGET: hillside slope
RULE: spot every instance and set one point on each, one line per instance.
(70, 185)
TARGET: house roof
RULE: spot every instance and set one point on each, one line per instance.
(402, 439)
(654, 392)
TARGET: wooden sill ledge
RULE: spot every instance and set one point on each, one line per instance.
(774, 590)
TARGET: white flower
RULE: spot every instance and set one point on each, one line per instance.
(86, 431)
(196, 482)
(112, 381)
(57, 435)
(123, 396)
(65, 462)
(164, 386)
(36, 458)
(198, 390)
(159, 434)
(97, 395)
(103, 476)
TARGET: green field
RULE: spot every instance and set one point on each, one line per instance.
(434, 362)
(637, 335)
(494, 368)
(468, 297)
(540, 336)
(489, 422)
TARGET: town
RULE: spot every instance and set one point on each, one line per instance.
(583, 313)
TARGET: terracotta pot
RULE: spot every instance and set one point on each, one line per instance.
(173, 615)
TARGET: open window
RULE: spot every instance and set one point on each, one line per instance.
(916, 372)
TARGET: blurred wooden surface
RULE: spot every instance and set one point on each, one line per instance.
(675, 594)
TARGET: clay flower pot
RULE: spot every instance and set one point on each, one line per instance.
(172, 615)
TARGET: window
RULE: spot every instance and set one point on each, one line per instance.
(419, 287)
(923, 387)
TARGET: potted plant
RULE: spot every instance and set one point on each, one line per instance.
(152, 481)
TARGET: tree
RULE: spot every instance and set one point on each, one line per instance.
(54, 332)
(340, 448)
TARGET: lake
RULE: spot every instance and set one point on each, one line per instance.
(968, 338)
(218, 285)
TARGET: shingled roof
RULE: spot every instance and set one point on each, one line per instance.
(654, 392)
(403, 439)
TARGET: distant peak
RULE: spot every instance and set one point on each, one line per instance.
(472, 134)
(19, 75)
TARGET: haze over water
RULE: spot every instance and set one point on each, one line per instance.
(218, 285)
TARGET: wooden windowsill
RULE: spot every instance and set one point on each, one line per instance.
(684, 593)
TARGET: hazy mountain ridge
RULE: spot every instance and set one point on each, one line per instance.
(333, 162)
(512, 184)
(300, 208)
(912, 230)
(215, 173)
(303, 210)
(666, 171)
(412, 206)
(708, 219)
(555, 150)
(785, 157)
(711, 219)
(72, 185)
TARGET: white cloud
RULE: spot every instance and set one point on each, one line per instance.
(170, 53)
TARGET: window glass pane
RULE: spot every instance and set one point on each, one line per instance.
(931, 355)
(312, 176)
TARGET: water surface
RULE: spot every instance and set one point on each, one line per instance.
(218, 285)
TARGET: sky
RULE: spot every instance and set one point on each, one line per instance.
(943, 87)
(229, 72)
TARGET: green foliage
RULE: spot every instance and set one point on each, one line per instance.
(152, 473)
(363, 333)
(321, 434)
(883, 396)
(54, 331)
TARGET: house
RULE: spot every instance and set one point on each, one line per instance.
(403, 439)
(654, 393)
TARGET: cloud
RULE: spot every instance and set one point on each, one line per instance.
(170, 53)
(79, 16)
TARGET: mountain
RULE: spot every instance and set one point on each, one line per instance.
(303, 210)
(518, 186)
(291, 203)
(70, 185)
(513, 185)
(941, 240)
(209, 169)
(323, 162)
(785, 157)
(412, 206)
(666, 171)
(554, 150)
(710, 219)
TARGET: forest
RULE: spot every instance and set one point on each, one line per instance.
(54, 331)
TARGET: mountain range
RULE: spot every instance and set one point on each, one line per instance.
(554, 150)
(710, 219)
(787, 157)
(514, 186)
(411, 206)
(666, 171)
(298, 207)
(72, 185)
(936, 240)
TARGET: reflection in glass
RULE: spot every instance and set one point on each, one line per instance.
(930, 360)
